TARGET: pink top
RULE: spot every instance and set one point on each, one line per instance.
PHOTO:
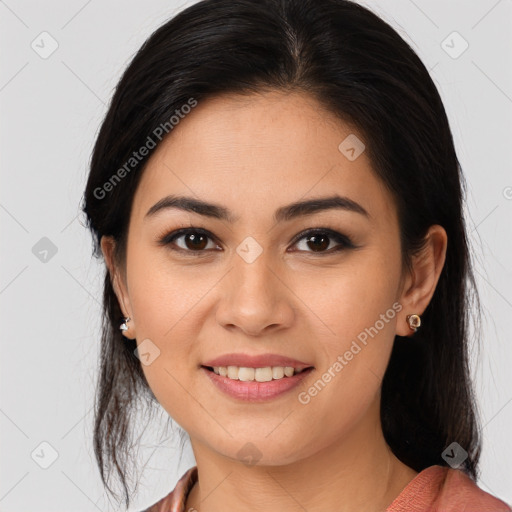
(435, 489)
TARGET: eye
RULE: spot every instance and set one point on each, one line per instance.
(195, 241)
(319, 240)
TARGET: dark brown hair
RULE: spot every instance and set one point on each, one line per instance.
(358, 67)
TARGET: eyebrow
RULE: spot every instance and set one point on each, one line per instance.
(284, 213)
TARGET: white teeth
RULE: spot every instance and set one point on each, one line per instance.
(246, 374)
(277, 372)
(233, 372)
(263, 374)
(288, 371)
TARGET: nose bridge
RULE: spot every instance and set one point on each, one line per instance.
(252, 271)
(254, 297)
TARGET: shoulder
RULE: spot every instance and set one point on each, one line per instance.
(175, 500)
(460, 490)
(443, 489)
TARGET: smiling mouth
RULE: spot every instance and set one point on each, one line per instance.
(262, 374)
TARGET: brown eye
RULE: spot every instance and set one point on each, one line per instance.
(320, 240)
(195, 241)
(190, 240)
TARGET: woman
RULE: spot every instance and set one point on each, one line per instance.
(277, 197)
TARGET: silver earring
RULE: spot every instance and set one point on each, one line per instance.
(124, 326)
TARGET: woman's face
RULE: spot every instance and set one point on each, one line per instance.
(246, 285)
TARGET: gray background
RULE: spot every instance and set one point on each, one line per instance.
(51, 109)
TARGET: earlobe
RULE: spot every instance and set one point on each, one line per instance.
(107, 247)
(422, 281)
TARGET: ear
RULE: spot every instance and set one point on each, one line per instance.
(116, 276)
(420, 283)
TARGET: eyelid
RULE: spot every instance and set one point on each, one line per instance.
(167, 238)
(335, 235)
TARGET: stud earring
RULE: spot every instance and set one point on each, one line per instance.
(124, 325)
(414, 322)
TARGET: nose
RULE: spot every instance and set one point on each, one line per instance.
(256, 300)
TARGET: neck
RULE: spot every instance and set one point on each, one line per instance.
(358, 473)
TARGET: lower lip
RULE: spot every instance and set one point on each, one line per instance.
(253, 391)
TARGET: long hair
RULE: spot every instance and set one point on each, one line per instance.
(359, 68)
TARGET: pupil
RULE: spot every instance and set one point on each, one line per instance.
(196, 241)
(316, 239)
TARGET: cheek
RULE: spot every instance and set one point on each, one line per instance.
(357, 308)
(162, 294)
(351, 298)
(171, 304)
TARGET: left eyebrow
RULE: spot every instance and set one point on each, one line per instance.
(284, 213)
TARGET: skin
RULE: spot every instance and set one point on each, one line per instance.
(253, 155)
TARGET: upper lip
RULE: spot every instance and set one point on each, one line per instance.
(257, 361)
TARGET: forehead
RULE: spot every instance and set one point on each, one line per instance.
(258, 152)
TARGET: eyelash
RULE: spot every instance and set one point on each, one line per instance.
(344, 241)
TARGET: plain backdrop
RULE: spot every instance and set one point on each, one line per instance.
(50, 286)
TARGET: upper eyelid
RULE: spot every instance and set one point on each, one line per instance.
(333, 233)
(178, 233)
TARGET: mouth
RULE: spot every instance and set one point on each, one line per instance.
(259, 374)
(246, 384)
(247, 362)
